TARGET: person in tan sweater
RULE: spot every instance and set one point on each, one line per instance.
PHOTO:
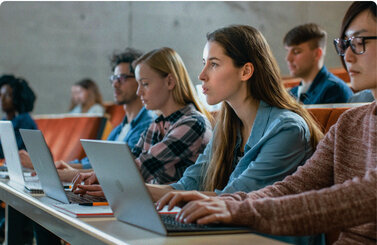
(336, 188)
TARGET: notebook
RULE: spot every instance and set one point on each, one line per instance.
(43, 163)
(128, 196)
(12, 160)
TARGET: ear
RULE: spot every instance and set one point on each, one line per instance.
(247, 71)
(319, 53)
(170, 81)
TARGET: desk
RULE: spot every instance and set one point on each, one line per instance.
(104, 230)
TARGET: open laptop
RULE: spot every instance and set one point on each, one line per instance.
(43, 163)
(12, 160)
(128, 196)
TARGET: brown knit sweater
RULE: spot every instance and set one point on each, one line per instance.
(335, 190)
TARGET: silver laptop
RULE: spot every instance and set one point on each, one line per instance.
(43, 163)
(12, 160)
(128, 196)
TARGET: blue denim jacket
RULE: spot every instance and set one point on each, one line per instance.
(279, 142)
(326, 88)
(137, 126)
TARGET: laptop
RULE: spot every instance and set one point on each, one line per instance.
(12, 160)
(128, 196)
(43, 163)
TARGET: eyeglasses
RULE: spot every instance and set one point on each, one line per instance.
(121, 78)
(357, 44)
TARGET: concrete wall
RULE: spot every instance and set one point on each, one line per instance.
(54, 44)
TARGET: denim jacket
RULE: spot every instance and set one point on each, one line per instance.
(279, 142)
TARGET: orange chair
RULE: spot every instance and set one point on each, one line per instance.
(326, 117)
(290, 82)
(115, 112)
(63, 133)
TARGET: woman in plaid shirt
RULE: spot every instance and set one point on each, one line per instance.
(175, 139)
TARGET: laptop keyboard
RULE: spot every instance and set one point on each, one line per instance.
(74, 198)
(172, 225)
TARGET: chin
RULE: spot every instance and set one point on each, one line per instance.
(212, 102)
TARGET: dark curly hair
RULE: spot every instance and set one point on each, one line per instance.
(129, 55)
(23, 95)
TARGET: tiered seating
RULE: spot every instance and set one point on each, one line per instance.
(63, 133)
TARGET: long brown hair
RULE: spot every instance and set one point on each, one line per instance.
(166, 61)
(246, 44)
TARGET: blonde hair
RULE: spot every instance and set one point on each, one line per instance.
(166, 61)
(246, 44)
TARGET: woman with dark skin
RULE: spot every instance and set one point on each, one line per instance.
(17, 100)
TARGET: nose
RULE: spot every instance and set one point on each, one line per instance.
(203, 75)
(349, 56)
(288, 57)
(115, 83)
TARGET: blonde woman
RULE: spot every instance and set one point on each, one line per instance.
(177, 137)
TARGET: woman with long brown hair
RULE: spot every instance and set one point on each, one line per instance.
(262, 134)
(336, 188)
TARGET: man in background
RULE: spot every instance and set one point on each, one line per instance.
(306, 48)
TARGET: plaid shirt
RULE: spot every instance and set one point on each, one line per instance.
(172, 144)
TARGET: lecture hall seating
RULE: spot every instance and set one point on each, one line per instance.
(63, 133)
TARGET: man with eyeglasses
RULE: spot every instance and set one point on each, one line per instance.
(137, 118)
(306, 48)
(357, 45)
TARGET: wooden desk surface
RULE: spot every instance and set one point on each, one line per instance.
(105, 230)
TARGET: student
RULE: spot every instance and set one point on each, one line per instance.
(262, 133)
(17, 101)
(74, 97)
(137, 118)
(306, 48)
(336, 188)
(176, 138)
(89, 98)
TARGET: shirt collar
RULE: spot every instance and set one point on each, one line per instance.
(260, 124)
(318, 78)
(137, 119)
(172, 118)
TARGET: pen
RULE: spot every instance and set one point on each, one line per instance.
(95, 204)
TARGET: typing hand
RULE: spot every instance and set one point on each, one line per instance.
(25, 159)
(90, 186)
(205, 211)
(93, 190)
(179, 198)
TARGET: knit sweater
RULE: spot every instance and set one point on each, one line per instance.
(336, 189)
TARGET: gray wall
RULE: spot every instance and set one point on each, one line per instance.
(54, 44)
